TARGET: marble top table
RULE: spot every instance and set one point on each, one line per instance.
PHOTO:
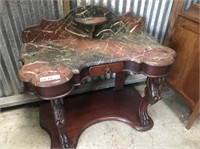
(58, 55)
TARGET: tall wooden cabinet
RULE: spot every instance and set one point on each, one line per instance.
(184, 75)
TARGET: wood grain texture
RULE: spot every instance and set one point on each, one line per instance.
(120, 105)
(184, 76)
(176, 9)
(66, 6)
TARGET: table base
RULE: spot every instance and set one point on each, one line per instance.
(83, 110)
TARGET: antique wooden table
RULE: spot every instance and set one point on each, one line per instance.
(91, 41)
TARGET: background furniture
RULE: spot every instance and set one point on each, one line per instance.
(184, 76)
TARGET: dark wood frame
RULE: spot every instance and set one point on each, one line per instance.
(58, 119)
(191, 18)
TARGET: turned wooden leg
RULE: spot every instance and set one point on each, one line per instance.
(152, 95)
(59, 118)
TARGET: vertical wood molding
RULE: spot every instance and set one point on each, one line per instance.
(176, 9)
(66, 6)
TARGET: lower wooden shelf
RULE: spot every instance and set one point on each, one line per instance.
(83, 110)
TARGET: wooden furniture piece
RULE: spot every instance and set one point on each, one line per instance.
(184, 75)
(59, 55)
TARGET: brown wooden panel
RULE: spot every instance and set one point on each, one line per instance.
(188, 24)
(190, 87)
(184, 50)
(192, 13)
(66, 6)
(176, 8)
(184, 76)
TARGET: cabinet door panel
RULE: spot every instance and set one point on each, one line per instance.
(184, 75)
(190, 86)
(183, 42)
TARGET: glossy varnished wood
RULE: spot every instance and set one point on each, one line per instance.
(59, 91)
(60, 55)
(66, 120)
(83, 110)
(184, 76)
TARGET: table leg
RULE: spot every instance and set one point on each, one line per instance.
(152, 95)
(59, 118)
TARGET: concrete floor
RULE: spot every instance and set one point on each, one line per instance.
(19, 129)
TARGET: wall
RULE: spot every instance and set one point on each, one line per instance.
(154, 12)
(15, 16)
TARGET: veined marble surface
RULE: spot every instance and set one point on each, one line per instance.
(57, 49)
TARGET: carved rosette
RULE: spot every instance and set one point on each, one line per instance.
(152, 95)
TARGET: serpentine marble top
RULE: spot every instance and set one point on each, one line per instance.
(57, 49)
